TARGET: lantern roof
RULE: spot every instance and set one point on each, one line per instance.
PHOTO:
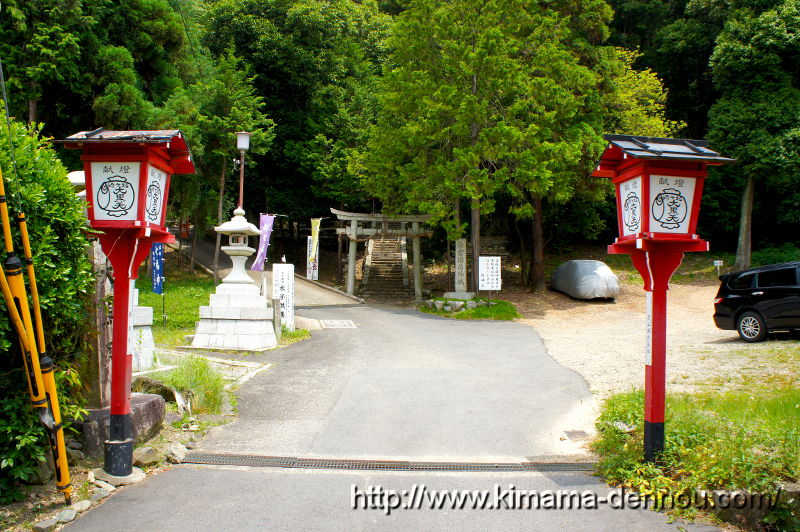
(621, 147)
(238, 225)
(173, 140)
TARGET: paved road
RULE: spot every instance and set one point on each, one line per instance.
(406, 385)
(191, 499)
(399, 385)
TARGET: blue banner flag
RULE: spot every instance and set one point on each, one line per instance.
(157, 267)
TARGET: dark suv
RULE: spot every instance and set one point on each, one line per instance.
(759, 300)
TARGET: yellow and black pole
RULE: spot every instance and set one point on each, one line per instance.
(39, 372)
(51, 418)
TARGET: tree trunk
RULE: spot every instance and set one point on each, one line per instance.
(180, 233)
(523, 257)
(475, 221)
(744, 248)
(537, 253)
(219, 219)
(33, 104)
(194, 247)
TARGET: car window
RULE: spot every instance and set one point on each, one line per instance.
(782, 277)
(742, 281)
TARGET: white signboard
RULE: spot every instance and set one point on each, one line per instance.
(630, 194)
(489, 277)
(156, 186)
(671, 201)
(115, 187)
(283, 289)
(461, 265)
(312, 268)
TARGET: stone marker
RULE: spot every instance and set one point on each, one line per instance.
(283, 289)
(461, 265)
(460, 273)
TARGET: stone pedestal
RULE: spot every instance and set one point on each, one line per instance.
(237, 319)
(140, 337)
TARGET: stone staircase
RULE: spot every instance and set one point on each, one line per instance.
(386, 270)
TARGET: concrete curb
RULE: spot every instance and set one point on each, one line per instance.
(329, 288)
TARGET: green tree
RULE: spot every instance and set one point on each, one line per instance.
(40, 45)
(209, 112)
(313, 64)
(485, 97)
(76, 64)
(756, 117)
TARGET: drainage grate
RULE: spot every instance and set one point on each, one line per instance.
(379, 465)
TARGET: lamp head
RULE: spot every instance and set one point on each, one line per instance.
(242, 140)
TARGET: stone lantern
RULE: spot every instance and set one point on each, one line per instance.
(238, 230)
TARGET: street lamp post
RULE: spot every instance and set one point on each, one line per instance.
(242, 144)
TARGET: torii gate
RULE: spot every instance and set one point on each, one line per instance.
(358, 230)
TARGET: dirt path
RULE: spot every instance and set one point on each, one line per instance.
(604, 341)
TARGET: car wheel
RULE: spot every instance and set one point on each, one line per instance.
(751, 327)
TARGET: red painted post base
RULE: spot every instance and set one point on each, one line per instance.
(126, 249)
(656, 261)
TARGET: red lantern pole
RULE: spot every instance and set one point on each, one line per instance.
(656, 268)
(127, 176)
(126, 250)
(659, 184)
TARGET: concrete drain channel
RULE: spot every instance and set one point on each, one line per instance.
(289, 462)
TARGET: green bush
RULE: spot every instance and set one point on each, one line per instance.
(56, 223)
(784, 253)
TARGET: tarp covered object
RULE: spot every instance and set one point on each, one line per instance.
(586, 279)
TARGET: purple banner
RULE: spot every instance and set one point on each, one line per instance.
(263, 244)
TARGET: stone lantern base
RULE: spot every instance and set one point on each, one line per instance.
(237, 319)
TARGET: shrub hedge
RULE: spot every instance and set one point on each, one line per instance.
(37, 185)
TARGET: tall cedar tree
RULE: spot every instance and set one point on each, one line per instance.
(484, 97)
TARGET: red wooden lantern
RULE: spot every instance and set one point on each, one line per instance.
(128, 173)
(659, 185)
(127, 186)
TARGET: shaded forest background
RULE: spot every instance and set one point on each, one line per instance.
(483, 113)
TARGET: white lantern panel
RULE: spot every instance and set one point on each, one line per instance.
(630, 197)
(156, 187)
(115, 190)
(671, 200)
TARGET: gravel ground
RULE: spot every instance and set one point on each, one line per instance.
(604, 341)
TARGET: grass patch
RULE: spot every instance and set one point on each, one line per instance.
(735, 440)
(501, 310)
(184, 293)
(205, 385)
(290, 337)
